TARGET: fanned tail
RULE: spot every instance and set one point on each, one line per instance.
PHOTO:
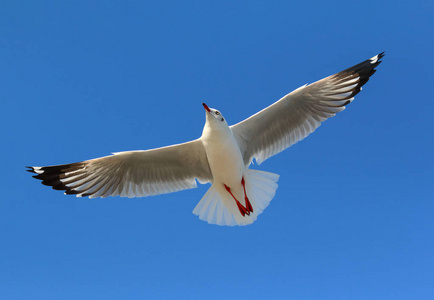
(218, 207)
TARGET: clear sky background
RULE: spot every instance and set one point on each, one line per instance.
(353, 214)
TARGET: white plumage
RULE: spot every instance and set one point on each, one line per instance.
(221, 156)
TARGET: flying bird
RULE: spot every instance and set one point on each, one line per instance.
(221, 156)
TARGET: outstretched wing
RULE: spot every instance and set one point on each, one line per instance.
(132, 173)
(299, 113)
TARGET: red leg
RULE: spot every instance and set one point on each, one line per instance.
(248, 204)
(242, 209)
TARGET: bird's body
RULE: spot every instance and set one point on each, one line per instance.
(221, 156)
(228, 172)
(223, 153)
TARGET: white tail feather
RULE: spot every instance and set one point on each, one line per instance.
(218, 207)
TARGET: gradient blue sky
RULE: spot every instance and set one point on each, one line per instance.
(353, 214)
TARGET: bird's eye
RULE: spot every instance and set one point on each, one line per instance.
(217, 113)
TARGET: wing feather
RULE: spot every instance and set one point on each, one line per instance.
(131, 173)
(299, 113)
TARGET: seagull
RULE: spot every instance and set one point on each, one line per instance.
(221, 156)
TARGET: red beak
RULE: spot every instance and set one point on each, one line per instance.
(206, 107)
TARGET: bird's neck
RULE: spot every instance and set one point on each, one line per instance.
(214, 130)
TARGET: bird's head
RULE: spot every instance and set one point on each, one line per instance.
(213, 116)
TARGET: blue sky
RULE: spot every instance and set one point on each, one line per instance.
(353, 214)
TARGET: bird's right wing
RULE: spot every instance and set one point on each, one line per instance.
(132, 173)
(299, 113)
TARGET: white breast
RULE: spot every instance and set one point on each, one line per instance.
(224, 157)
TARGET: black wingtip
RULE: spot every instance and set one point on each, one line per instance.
(363, 71)
(71, 192)
(30, 169)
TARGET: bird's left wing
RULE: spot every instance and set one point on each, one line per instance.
(299, 113)
(132, 173)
